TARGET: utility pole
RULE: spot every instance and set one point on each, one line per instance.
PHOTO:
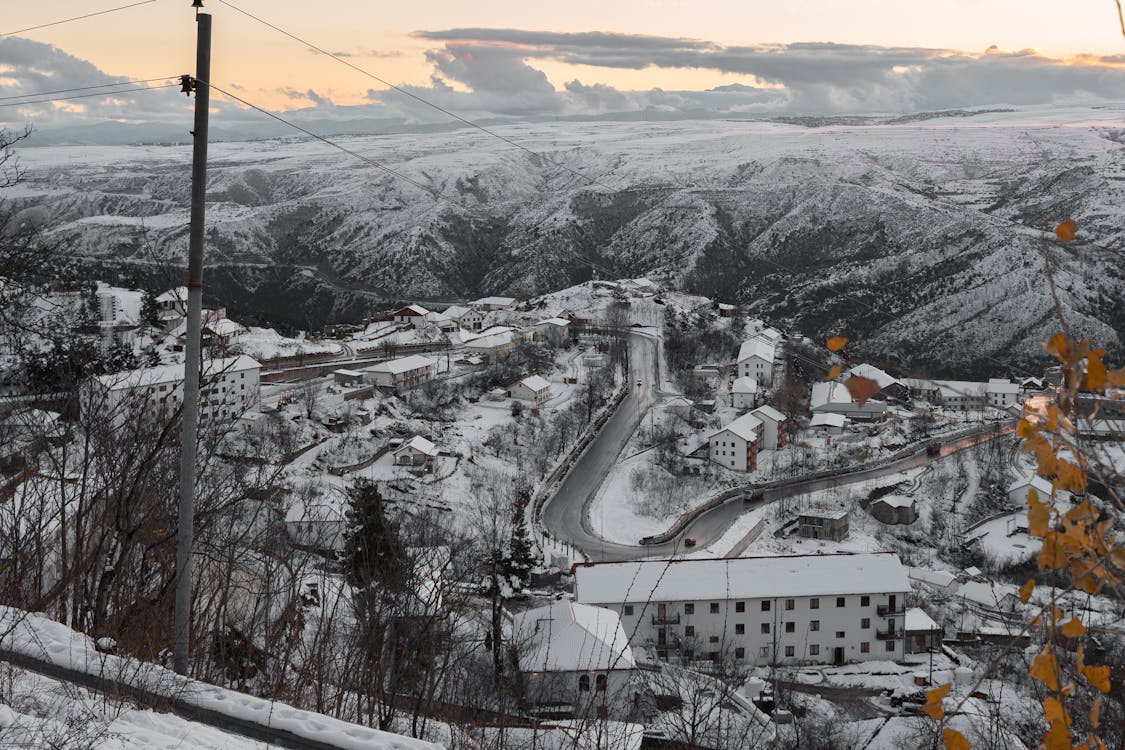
(190, 425)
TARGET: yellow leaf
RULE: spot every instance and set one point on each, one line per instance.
(833, 373)
(1065, 230)
(1045, 668)
(1095, 371)
(1052, 555)
(861, 388)
(1096, 712)
(1115, 378)
(1026, 589)
(836, 343)
(933, 707)
(1057, 737)
(1074, 628)
(1097, 676)
(1053, 711)
(1038, 515)
(1059, 346)
(954, 740)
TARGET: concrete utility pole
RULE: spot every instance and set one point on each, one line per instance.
(190, 425)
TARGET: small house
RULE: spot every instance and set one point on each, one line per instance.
(535, 389)
(492, 345)
(822, 523)
(1019, 489)
(755, 359)
(707, 375)
(173, 301)
(316, 526)
(494, 303)
(744, 393)
(922, 633)
(554, 330)
(414, 315)
(347, 378)
(894, 510)
(828, 423)
(418, 453)
(466, 317)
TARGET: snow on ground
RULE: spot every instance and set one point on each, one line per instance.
(266, 343)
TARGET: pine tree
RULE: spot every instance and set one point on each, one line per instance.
(373, 551)
(150, 311)
(521, 557)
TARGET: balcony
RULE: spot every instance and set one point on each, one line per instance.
(886, 610)
(666, 620)
(889, 635)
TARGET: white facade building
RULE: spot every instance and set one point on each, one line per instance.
(467, 317)
(1021, 488)
(775, 427)
(833, 397)
(494, 303)
(535, 389)
(228, 388)
(801, 609)
(755, 360)
(418, 451)
(403, 372)
(744, 393)
(736, 445)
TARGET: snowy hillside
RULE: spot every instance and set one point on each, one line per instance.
(923, 239)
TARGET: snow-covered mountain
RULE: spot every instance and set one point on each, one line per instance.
(923, 238)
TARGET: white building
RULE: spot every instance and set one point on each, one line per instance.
(833, 397)
(467, 317)
(316, 526)
(490, 345)
(535, 389)
(404, 372)
(735, 446)
(573, 655)
(828, 423)
(967, 395)
(417, 451)
(755, 360)
(756, 610)
(173, 301)
(744, 393)
(414, 315)
(889, 385)
(1021, 488)
(775, 427)
(554, 330)
(228, 388)
(494, 303)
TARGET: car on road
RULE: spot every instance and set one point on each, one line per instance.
(689, 541)
(933, 449)
(756, 496)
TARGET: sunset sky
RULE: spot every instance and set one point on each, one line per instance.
(518, 57)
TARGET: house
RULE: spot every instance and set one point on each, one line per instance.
(494, 303)
(442, 322)
(347, 378)
(823, 523)
(966, 395)
(491, 345)
(937, 581)
(641, 287)
(755, 359)
(416, 452)
(414, 315)
(535, 389)
(831, 396)
(228, 387)
(894, 510)
(218, 332)
(1021, 488)
(554, 330)
(922, 633)
(173, 301)
(889, 386)
(404, 372)
(466, 317)
(829, 423)
(316, 526)
(725, 310)
(744, 393)
(574, 659)
(797, 609)
(707, 375)
(775, 426)
(736, 445)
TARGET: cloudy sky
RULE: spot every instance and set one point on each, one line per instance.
(518, 58)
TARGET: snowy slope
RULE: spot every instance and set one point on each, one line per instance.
(924, 239)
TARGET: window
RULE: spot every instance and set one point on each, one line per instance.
(740, 606)
(865, 623)
(865, 647)
(688, 654)
(814, 650)
(840, 601)
(865, 601)
(713, 639)
(764, 651)
(627, 610)
(740, 653)
(790, 604)
(689, 608)
(814, 625)
(765, 628)
(788, 650)
(599, 683)
(689, 631)
(839, 633)
(814, 603)
(740, 629)
(714, 608)
(584, 683)
(890, 645)
(766, 606)
(790, 627)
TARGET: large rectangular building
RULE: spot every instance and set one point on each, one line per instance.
(798, 609)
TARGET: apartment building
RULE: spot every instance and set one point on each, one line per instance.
(799, 609)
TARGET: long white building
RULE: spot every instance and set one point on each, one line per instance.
(800, 609)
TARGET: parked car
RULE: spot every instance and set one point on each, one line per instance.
(689, 541)
(933, 449)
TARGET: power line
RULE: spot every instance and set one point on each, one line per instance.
(87, 96)
(86, 88)
(77, 18)
(412, 95)
(367, 160)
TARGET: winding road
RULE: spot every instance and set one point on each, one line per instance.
(565, 513)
